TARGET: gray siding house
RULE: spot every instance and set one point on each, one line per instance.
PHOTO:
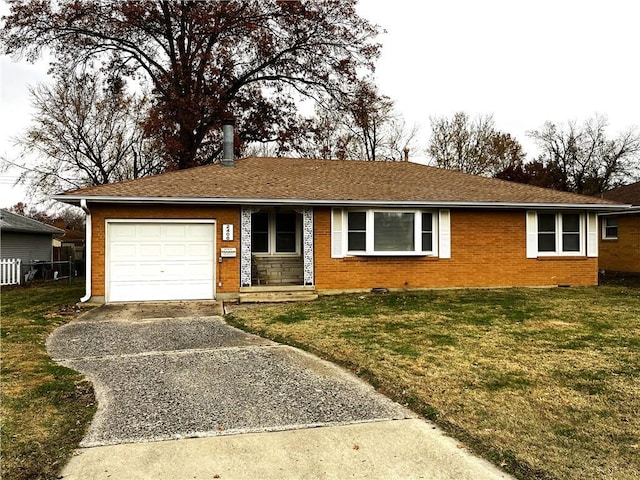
(25, 238)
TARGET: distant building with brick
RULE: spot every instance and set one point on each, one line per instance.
(620, 232)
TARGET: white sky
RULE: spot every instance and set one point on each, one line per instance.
(524, 61)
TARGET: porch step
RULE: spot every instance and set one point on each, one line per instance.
(277, 294)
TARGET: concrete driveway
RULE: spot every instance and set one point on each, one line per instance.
(177, 371)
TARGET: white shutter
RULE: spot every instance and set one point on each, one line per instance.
(592, 234)
(532, 234)
(444, 233)
(337, 236)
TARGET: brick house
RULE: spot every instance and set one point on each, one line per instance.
(321, 226)
(620, 232)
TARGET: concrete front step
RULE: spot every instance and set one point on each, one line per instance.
(278, 296)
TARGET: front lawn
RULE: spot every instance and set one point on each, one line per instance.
(544, 382)
(45, 408)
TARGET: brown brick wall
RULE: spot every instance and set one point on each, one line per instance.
(623, 254)
(488, 249)
(228, 272)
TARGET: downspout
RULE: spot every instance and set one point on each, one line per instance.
(87, 251)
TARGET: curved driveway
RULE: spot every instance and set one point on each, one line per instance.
(178, 371)
(173, 377)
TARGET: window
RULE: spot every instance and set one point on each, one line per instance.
(260, 232)
(275, 232)
(393, 232)
(390, 232)
(427, 231)
(570, 232)
(610, 228)
(357, 231)
(286, 232)
(547, 232)
(560, 233)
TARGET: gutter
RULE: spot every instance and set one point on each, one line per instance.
(72, 199)
(627, 211)
(87, 251)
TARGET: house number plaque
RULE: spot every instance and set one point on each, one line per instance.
(227, 232)
(227, 252)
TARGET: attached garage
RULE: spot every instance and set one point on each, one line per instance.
(149, 260)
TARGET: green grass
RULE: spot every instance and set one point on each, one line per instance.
(45, 408)
(544, 382)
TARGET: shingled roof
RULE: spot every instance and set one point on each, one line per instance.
(335, 182)
(625, 194)
(12, 222)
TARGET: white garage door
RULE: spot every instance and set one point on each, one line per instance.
(160, 261)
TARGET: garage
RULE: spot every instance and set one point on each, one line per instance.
(160, 261)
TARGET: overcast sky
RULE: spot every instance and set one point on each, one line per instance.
(524, 61)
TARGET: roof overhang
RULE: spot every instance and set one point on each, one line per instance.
(76, 200)
(627, 211)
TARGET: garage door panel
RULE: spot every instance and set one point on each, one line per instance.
(124, 250)
(158, 261)
(148, 230)
(158, 290)
(198, 232)
(149, 250)
(172, 250)
(199, 270)
(177, 230)
(124, 231)
(124, 270)
(200, 250)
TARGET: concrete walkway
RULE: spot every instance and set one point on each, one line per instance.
(181, 394)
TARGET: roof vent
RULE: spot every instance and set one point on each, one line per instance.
(227, 141)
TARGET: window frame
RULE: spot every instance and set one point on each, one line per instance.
(370, 233)
(605, 227)
(271, 235)
(560, 233)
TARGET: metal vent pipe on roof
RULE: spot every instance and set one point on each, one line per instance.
(227, 141)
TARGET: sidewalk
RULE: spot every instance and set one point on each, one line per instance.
(387, 450)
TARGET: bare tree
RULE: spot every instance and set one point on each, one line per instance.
(205, 60)
(84, 132)
(66, 216)
(359, 125)
(471, 146)
(587, 160)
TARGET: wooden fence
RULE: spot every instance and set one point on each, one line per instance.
(10, 269)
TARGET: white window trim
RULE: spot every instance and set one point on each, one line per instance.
(604, 228)
(532, 235)
(417, 226)
(272, 237)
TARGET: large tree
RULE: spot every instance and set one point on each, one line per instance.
(206, 60)
(537, 172)
(84, 132)
(472, 145)
(584, 158)
(359, 125)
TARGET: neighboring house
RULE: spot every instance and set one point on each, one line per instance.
(329, 226)
(69, 243)
(25, 239)
(620, 232)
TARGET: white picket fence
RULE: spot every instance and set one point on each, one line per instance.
(10, 271)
